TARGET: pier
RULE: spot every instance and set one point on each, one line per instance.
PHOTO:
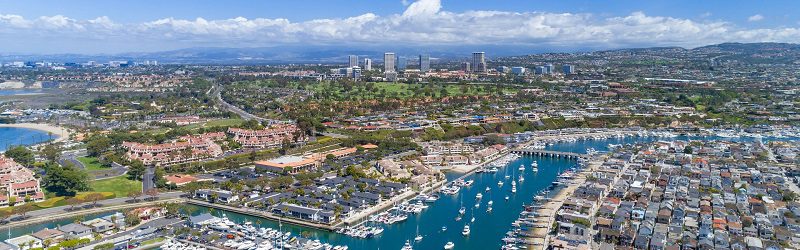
(553, 154)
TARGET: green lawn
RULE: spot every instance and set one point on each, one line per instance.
(120, 186)
(91, 163)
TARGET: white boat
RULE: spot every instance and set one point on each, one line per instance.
(449, 245)
(489, 209)
(469, 183)
(521, 167)
(477, 205)
(521, 179)
(419, 236)
(499, 183)
(462, 210)
(407, 246)
(488, 188)
(478, 196)
(514, 189)
(535, 164)
(506, 197)
(466, 230)
(490, 203)
(444, 228)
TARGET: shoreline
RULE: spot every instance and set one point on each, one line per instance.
(60, 133)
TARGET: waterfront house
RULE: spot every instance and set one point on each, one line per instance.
(99, 225)
(25, 242)
(76, 231)
(47, 234)
(304, 213)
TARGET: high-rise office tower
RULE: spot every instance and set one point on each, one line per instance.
(568, 69)
(424, 63)
(388, 62)
(479, 62)
(353, 61)
(367, 64)
(465, 67)
(402, 63)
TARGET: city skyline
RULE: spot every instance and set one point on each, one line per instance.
(51, 27)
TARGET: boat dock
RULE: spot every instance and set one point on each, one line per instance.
(549, 153)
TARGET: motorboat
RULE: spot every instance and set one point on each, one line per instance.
(499, 183)
(466, 230)
(449, 245)
(478, 196)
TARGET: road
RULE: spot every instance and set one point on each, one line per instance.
(148, 178)
(70, 157)
(217, 93)
(61, 212)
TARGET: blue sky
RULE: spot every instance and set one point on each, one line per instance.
(82, 26)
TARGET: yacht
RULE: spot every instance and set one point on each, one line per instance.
(468, 183)
(514, 189)
(444, 228)
(535, 164)
(449, 245)
(490, 203)
(407, 246)
(478, 196)
(522, 167)
(499, 183)
(465, 232)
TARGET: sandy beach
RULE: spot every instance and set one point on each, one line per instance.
(59, 132)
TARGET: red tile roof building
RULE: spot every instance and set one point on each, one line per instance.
(186, 149)
(264, 138)
(18, 181)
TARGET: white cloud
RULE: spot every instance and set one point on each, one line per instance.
(755, 18)
(423, 22)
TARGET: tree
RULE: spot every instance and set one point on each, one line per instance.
(65, 181)
(73, 201)
(51, 152)
(134, 195)
(136, 171)
(96, 145)
(5, 214)
(153, 193)
(23, 210)
(94, 198)
(21, 155)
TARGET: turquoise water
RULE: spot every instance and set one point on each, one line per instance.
(487, 230)
(10, 137)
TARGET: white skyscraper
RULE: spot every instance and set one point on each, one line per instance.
(389, 59)
(367, 64)
(478, 62)
(353, 61)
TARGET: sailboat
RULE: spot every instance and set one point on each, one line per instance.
(419, 236)
(462, 210)
(407, 246)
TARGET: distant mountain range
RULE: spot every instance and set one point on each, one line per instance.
(338, 54)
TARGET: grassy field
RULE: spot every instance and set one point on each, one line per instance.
(91, 163)
(119, 186)
(402, 90)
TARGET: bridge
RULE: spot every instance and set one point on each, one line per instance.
(549, 153)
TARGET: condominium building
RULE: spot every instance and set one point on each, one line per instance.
(185, 149)
(19, 182)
